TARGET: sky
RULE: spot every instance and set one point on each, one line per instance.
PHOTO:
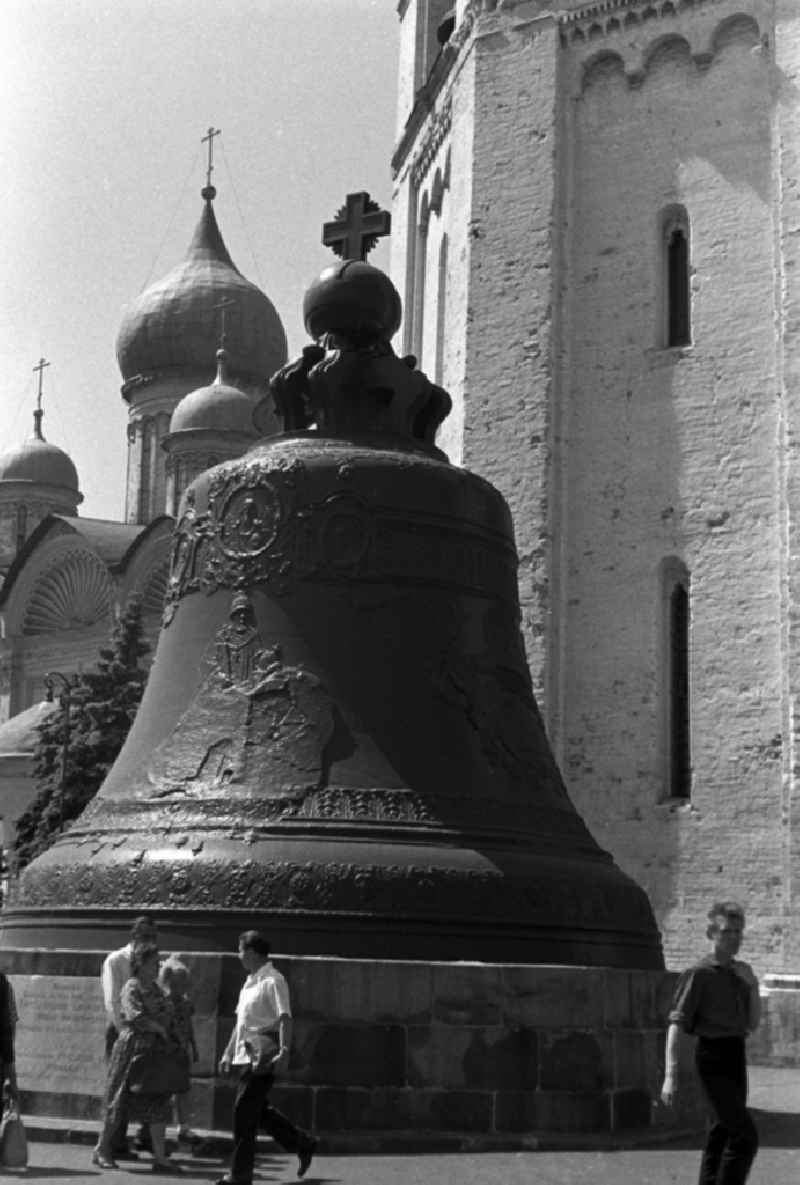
(105, 103)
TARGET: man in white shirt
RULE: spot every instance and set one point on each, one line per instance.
(259, 1046)
(115, 973)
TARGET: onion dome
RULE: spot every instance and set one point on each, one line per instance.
(37, 462)
(171, 328)
(220, 407)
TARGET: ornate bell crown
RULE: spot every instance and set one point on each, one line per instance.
(351, 383)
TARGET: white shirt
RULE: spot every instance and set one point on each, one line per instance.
(264, 998)
(114, 975)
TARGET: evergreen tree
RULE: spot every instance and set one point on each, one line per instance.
(103, 703)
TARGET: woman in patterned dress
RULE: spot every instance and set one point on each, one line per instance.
(147, 1025)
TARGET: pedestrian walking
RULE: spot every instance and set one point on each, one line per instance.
(176, 984)
(717, 1001)
(259, 1048)
(143, 1070)
(115, 973)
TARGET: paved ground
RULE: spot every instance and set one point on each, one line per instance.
(775, 1096)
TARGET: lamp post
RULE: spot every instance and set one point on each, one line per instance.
(68, 684)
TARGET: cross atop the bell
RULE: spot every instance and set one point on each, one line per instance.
(358, 226)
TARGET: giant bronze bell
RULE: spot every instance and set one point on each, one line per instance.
(339, 741)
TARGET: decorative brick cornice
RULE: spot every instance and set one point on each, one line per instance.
(643, 9)
(438, 130)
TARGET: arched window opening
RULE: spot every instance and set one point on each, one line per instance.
(437, 20)
(676, 262)
(441, 310)
(678, 773)
(420, 278)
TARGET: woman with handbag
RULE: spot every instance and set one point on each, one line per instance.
(141, 1070)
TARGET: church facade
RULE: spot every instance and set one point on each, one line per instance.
(195, 351)
(595, 231)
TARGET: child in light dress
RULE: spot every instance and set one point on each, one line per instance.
(176, 984)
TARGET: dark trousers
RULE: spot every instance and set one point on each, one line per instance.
(251, 1109)
(732, 1139)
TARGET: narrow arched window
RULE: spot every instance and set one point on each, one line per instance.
(676, 680)
(680, 757)
(420, 278)
(675, 269)
(441, 312)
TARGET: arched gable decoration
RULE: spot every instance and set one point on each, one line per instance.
(72, 594)
(602, 65)
(740, 28)
(669, 50)
(154, 589)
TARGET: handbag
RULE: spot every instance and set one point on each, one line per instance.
(159, 1071)
(13, 1140)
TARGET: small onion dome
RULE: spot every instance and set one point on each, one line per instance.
(220, 407)
(173, 325)
(37, 462)
(352, 297)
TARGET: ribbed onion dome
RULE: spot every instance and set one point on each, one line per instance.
(38, 462)
(220, 407)
(172, 327)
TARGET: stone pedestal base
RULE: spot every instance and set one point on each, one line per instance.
(478, 1049)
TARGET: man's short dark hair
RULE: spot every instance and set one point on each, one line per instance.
(141, 953)
(254, 940)
(729, 910)
(142, 926)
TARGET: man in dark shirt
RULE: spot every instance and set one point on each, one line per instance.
(717, 1001)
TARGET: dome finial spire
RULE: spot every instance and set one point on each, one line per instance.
(209, 192)
(222, 353)
(37, 415)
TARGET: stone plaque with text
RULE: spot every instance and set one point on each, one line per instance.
(60, 1033)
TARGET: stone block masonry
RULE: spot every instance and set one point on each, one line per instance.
(506, 1052)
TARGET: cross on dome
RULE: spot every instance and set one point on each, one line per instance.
(209, 192)
(37, 415)
(225, 304)
(358, 226)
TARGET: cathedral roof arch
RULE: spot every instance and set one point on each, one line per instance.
(73, 590)
(156, 535)
(144, 570)
(69, 572)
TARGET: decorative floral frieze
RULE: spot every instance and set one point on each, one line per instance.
(438, 129)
